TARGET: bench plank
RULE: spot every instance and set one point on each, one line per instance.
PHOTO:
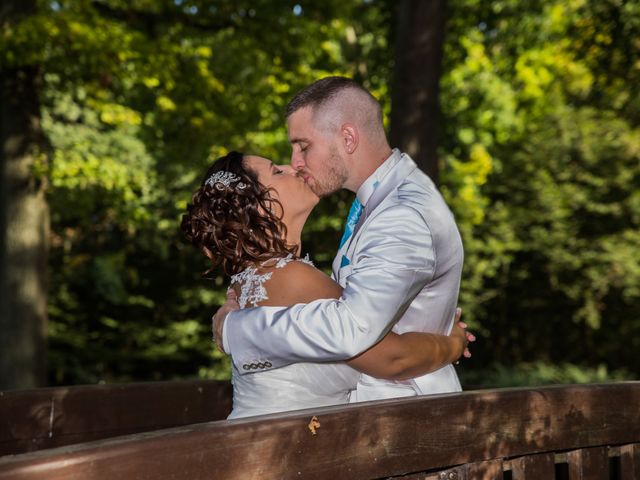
(369, 440)
(52, 417)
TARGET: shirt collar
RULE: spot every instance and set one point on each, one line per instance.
(370, 184)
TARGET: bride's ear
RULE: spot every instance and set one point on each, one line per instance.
(350, 137)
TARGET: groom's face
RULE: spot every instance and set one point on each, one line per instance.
(315, 154)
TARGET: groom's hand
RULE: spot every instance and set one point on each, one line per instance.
(217, 321)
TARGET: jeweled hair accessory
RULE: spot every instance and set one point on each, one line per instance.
(224, 179)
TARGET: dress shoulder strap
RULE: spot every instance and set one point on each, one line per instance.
(252, 289)
(289, 258)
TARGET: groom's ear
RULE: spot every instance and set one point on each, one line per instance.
(350, 137)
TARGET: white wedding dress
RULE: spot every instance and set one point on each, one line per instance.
(293, 387)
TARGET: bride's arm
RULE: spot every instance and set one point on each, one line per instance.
(395, 357)
(411, 354)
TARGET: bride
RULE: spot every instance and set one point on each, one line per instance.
(247, 217)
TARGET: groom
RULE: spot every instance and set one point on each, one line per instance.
(399, 261)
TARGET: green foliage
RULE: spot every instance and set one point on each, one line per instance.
(538, 373)
(540, 150)
(541, 165)
(138, 98)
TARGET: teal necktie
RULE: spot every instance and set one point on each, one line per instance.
(352, 220)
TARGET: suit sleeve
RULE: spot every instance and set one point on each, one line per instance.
(394, 260)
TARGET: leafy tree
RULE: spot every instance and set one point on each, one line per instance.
(538, 157)
(540, 103)
(138, 98)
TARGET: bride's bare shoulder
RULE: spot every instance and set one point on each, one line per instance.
(299, 282)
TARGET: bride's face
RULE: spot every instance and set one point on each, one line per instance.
(290, 189)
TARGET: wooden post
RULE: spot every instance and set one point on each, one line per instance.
(630, 461)
(588, 464)
(532, 467)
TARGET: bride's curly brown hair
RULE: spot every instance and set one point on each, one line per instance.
(235, 227)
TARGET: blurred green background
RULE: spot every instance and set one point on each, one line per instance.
(538, 157)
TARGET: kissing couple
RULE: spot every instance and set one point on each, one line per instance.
(385, 324)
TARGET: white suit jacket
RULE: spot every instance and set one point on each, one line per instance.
(400, 269)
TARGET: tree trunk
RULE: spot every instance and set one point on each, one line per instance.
(24, 222)
(415, 110)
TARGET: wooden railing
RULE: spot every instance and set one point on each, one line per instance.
(52, 417)
(573, 432)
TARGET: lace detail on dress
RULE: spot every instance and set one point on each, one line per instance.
(251, 282)
(251, 286)
(284, 260)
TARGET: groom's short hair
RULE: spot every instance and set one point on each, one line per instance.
(322, 93)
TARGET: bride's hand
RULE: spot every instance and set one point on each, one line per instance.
(459, 330)
(217, 321)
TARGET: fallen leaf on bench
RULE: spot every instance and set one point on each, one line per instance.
(314, 424)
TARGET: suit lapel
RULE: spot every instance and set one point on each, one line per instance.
(389, 183)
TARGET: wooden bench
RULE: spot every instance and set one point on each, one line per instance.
(573, 431)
